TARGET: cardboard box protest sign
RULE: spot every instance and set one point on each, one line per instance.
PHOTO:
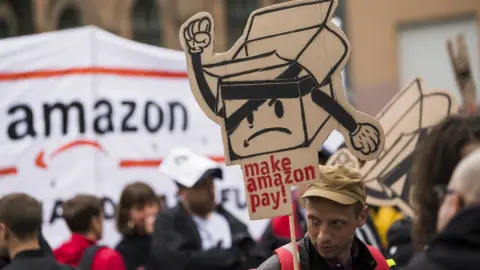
(277, 94)
(406, 119)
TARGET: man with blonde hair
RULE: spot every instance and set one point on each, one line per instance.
(336, 207)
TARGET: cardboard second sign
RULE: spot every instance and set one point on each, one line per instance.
(277, 95)
(407, 118)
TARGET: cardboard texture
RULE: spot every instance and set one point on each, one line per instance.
(277, 94)
(462, 70)
(345, 157)
(406, 119)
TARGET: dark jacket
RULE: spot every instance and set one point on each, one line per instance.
(35, 259)
(176, 244)
(400, 246)
(135, 251)
(311, 260)
(456, 247)
(4, 261)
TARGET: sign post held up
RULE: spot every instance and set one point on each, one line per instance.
(277, 95)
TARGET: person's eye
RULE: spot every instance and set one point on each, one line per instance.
(338, 223)
(314, 221)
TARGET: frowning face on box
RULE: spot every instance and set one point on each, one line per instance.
(265, 116)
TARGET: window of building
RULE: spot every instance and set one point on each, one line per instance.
(146, 22)
(23, 10)
(69, 18)
(238, 12)
(5, 30)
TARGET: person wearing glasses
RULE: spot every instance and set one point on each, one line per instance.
(457, 244)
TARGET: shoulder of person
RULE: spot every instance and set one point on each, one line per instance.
(107, 253)
(421, 261)
(272, 263)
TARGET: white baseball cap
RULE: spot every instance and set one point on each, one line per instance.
(188, 168)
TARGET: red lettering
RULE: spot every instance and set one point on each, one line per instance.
(266, 199)
(310, 172)
(251, 169)
(264, 182)
(286, 164)
(254, 202)
(288, 180)
(264, 170)
(298, 175)
(251, 185)
(275, 164)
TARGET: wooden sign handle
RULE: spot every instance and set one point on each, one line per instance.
(293, 238)
(460, 61)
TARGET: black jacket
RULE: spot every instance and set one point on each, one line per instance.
(456, 247)
(311, 260)
(35, 259)
(135, 251)
(4, 261)
(400, 246)
(176, 244)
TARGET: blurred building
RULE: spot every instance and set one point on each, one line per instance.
(150, 21)
(154, 22)
(395, 41)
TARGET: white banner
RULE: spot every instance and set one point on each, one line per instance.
(83, 111)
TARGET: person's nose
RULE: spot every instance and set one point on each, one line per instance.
(324, 235)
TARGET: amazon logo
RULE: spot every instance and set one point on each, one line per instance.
(40, 158)
(25, 122)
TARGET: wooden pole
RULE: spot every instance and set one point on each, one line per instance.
(460, 61)
(294, 242)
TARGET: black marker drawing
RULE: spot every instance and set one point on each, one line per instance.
(407, 120)
(277, 89)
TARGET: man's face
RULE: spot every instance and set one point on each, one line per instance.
(201, 198)
(331, 227)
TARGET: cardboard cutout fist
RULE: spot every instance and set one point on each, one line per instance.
(197, 35)
(277, 95)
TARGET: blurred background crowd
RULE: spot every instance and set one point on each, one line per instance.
(392, 43)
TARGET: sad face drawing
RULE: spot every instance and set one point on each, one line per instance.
(279, 87)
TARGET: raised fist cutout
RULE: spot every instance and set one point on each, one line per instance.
(366, 138)
(197, 35)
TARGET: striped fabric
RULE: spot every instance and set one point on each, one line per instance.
(368, 236)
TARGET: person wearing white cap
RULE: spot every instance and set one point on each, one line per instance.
(198, 234)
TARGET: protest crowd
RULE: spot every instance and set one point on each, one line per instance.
(399, 191)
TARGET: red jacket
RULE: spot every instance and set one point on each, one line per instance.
(71, 253)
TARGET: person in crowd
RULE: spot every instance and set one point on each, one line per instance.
(5, 258)
(400, 246)
(84, 217)
(277, 232)
(336, 207)
(136, 213)
(20, 225)
(457, 244)
(436, 157)
(198, 233)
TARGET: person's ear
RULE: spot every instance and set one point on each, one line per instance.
(3, 231)
(362, 218)
(457, 202)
